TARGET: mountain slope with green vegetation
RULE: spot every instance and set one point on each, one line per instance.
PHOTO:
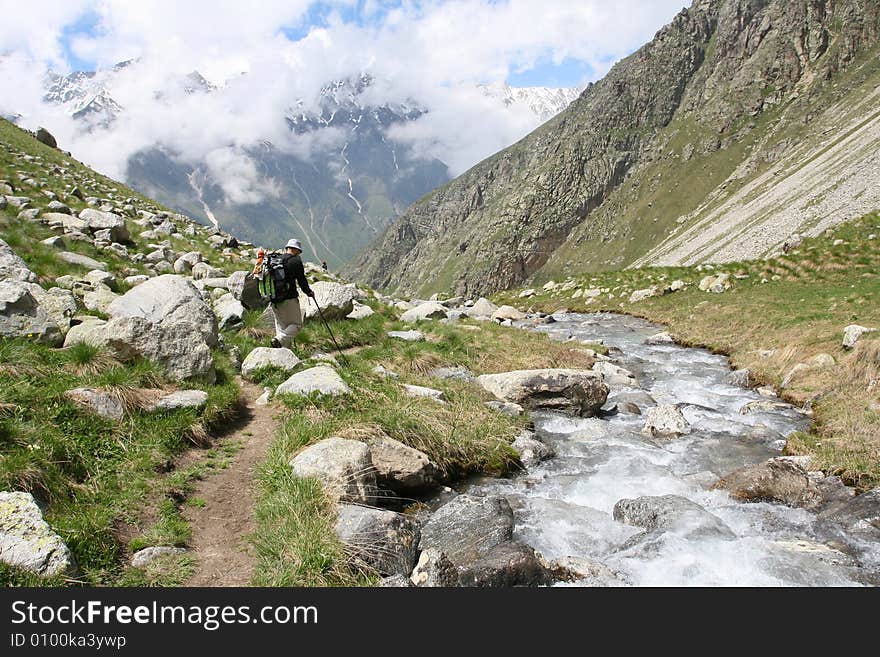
(738, 126)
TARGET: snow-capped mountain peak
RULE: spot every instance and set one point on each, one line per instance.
(544, 102)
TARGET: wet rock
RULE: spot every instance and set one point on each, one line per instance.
(421, 391)
(615, 376)
(142, 558)
(321, 379)
(852, 333)
(434, 569)
(383, 540)
(27, 541)
(407, 336)
(662, 338)
(776, 480)
(762, 406)
(531, 451)
(468, 527)
(424, 311)
(98, 402)
(857, 517)
(508, 564)
(739, 378)
(671, 513)
(628, 408)
(586, 572)
(578, 391)
(665, 420)
(402, 468)
(343, 467)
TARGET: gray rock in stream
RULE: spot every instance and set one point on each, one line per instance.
(582, 392)
(779, 479)
(508, 564)
(468, 527)
(671, 513)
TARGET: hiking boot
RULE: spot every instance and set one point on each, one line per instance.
(275, 344)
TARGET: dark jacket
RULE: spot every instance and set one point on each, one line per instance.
(293, 268)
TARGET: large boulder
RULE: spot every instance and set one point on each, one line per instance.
(665, 420)
(671, 513)
(383, 540)
(482, 308)
(178, 399)
(12, 267)
(98, 402)
(402, 468)
(507, 313)
(614, 375)
(779, 479)
(45, 137)
(857, 517)
(322, 379)
(96, 220)
(26, 541)
(22, 316)
(168, 299)
(263, 357)
(343, 467)
(361, 311)
(335, 299)
(468, 527)
(424, 311)
(164, 320)
(229, 311)
(245, 288)
(578, 391)
(407, 336)
(58, 303)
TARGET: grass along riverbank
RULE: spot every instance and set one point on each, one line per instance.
(778, 313)
(295, 540)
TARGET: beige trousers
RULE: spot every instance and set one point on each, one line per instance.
(288, 320)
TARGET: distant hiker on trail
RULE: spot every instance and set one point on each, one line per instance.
(279, 274)
(324, 266)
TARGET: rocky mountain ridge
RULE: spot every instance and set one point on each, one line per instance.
(732, 97)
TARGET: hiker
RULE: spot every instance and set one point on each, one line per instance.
(286, 310)
(324, 266)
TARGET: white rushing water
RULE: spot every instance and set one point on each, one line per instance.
(564, 506)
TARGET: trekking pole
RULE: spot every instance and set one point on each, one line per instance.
(330, 331)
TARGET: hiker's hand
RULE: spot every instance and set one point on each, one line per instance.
(311, 294)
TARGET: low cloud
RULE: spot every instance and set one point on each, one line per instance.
(434, 53)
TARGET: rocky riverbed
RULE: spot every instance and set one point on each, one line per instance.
(681, 479)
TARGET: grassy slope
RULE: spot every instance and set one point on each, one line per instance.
(99, 479)
(809, 296)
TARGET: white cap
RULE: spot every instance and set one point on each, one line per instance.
(294, 244)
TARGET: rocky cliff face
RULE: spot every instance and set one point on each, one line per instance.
(707, 107)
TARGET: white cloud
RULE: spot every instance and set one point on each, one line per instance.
(432, 51)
